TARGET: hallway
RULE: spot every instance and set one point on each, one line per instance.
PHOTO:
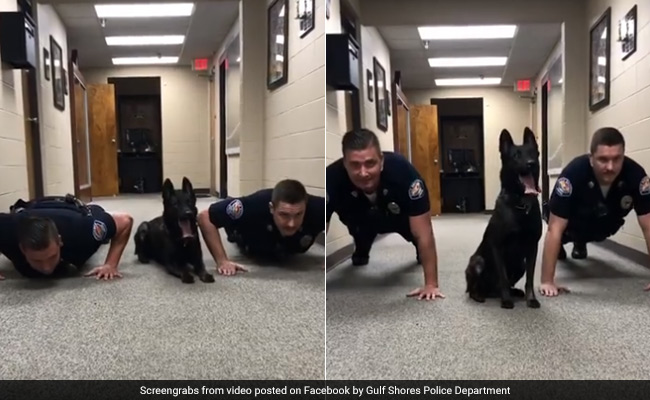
(264, 324)
(599, 331)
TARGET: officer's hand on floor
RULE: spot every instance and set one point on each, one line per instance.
(2, 278)
(647, 288)
(105, 272)
(551, 290)
(229, 268)
(426, 293)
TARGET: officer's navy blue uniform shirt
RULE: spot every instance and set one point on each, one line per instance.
(81, 235)
(251, 219)
(578, 197)
(402, 193)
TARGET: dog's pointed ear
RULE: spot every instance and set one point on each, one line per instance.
(187, 187)
(505, 141)
(167, 189)
(529, 137)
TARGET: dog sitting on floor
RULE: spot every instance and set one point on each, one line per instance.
(508, 250)
(172, 239)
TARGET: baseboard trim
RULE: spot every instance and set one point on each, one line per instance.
(340, 255)
(631, 254)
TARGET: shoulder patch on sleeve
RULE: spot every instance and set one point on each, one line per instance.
(99, 230)
(235, 209)
(416, 190)
(644, 186)
(563, 187)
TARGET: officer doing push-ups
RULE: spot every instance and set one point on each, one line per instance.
(375, 192)
(591, 198)
(44, 237)
(268, 225)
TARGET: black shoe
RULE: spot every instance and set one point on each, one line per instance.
(579, 251)
(562, 254)
(358, 260)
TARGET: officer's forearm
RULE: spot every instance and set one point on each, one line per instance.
(429, 258)
(552, 244)
(123, 224)
(212, 239)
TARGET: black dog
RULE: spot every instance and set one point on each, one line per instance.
(509, 246)
(172, 239)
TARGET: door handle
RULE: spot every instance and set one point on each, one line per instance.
(435, 161)
(112, 140)
(32, 119)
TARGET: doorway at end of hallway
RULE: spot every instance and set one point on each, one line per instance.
(462, 177)
(139, 134)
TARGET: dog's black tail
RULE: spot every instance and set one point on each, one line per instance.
(473, 272)
(140, 239)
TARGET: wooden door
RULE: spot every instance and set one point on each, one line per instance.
(425, 150)
(103, 140)
(81, 138)
(400, 123)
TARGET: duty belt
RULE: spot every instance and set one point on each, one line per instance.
(68, 202)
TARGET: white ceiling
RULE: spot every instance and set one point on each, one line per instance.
(205, 30)
(526, 52)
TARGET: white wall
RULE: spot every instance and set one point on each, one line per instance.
(502, 109)
(294, 141)
(55, 125)
(373, 45)
(336, 126)
(185, 118)
(629, 98)
(13, 155)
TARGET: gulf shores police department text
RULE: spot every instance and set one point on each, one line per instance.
(310, 390)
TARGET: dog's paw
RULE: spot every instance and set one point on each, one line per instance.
(514, 292)
(207, 278)
(533, 303)
(477, 298)
(187, 278)
(507, 304)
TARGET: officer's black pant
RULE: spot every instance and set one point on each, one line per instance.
(364, 235)
(580, 232)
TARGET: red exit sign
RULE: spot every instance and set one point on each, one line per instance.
(200, 64)
(522, 85)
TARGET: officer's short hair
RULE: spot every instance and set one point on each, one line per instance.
(289, 191)
(36, 233)
(360, 139)
(606, 137)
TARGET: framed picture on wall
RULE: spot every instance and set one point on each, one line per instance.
(277, 44)
(57, 75)
(306, 11)
(65, 82)
(46, 64)
(381, 95)
(600, 36)
(370, 85)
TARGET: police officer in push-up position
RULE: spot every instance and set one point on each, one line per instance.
(43, 237)
(375, 192)
(268, 225)
(592, 196)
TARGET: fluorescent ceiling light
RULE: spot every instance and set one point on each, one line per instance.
(144, 40)
(467, 32)
(144, 60)
(468, 81)
(144, 10)
(467, 61)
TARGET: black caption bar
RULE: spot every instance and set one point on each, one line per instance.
(243, 390)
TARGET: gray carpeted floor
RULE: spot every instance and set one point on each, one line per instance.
(266, 324)
(599, 331)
